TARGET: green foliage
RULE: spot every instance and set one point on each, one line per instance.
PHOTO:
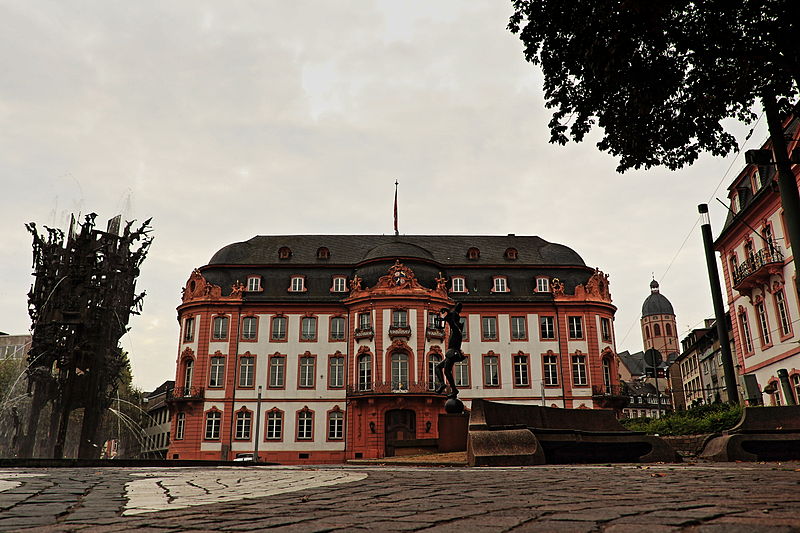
(659, 77)
(712, 418)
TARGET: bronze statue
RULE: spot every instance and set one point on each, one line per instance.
(454, 354)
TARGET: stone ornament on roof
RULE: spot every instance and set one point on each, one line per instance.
(596, 288)
(199, 288)
(400, 279)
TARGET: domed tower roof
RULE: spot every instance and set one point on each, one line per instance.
(656, 303)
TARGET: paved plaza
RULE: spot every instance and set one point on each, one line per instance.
(699, 497)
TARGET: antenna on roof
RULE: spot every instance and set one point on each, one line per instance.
(396, 232)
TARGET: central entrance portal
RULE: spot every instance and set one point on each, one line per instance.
(400, 426)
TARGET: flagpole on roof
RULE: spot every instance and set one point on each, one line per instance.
(396, 231)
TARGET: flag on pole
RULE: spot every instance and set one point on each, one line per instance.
(396, 231)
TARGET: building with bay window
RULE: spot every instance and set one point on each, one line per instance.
(338, 336)
(760, 279)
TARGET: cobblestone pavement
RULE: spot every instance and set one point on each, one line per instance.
(699, 497)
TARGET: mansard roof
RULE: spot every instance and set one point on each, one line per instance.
(354, 249)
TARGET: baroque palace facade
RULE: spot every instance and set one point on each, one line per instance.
(321, 348)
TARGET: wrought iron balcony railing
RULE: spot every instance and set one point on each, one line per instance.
(755, 264)
(364, 332)
(185, 394)
(389, 387)
(434, 333)
(612, 390)
(399, 331)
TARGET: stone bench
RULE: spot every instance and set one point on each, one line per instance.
(503, 434)
(762, 434)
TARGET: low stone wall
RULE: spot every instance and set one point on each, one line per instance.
(687, 445)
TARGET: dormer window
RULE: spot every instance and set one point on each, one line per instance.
(542, 285)
(511, 253)
(735, 203)
(499, 284)
(339, 284)
(323, 253)
(458, 284)
(284, 252)
(253, 283)
(473, 254)
(298, 284)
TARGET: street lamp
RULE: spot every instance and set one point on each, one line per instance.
(258, 423)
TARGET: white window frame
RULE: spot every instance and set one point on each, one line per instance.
(247, 367)
(249, 328)
(399, 318)
(305, 333)
(274, 425)
(337, 333)
(213, 425)
(458, 284)
(244, 425)
(305, 425)
(298, 284)
(461, 373)
(277, 372)
(575, 324)
(763, 323)
(521, 371)
(335, 425)
(550, 369)
(489, 327)
(547, 327)
(180, 425)
(216, 378)
(499, 284)
(491, 371)
(579, 375)
(278, 332)
(519, 333)
(542, 284)
(339, 284)
(253, 283)
(307, 367)
(336, 372)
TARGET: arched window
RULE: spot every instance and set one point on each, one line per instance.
(284, 252)
(323, 253)
(511, 253)
(399, 370)
(188, 373)
(656, 330)
(668, 328)
(365, 372)
(433, 360)
(244, 421)
(647, 332)
(607, 375)
(473, 253)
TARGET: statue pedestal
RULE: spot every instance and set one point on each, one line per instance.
(453, 432)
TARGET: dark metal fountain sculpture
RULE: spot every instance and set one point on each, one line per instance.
(444, 370)
(79, 304)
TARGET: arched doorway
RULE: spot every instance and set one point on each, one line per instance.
(400, 426)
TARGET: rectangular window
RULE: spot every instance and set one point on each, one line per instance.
(518, 329)
(298, 284)
(307, 372)
(364, 321)
(783, 313)
(500, 284)
(575, 327)
(521, 371)
(550, 363)
(461, 373)
(180, 426)
(491, 371)
(763, 323)
(579, 370)
(305, 425)
(220, 331)
(542, 285)
(278, 328)
(277, 372)
(489, 328)
(246, 370)
(339, 284)
(458, 285)
(365, 372)
(337, 328)
(244, 421)
(308, 330)
(188, 330)
(605, 329)
(548, 327)
(249, 328)
(213, 420)
(400, 318)
(217, 372)
(335, 425)
(274, 425)
(336, 372)
(253, 284)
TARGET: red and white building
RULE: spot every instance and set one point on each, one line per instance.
(761, 282)
(337, 333)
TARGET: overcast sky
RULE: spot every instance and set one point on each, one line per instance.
(225, 120)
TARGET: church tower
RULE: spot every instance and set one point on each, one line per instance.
(659, 328)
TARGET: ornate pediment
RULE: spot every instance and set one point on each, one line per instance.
(596, 288)
(199, 288)
(400, 279)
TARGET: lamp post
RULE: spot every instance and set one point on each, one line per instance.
(719, 309)
(258, 423)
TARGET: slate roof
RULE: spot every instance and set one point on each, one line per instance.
(657, 304)
(353, 249)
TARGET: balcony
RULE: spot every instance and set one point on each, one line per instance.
(396, 331)
(434, 333)
(611, 396)
(364, 333)
(757, 268)
(378, 388)
(185, 394)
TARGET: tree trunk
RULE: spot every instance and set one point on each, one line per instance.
(787, 183)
